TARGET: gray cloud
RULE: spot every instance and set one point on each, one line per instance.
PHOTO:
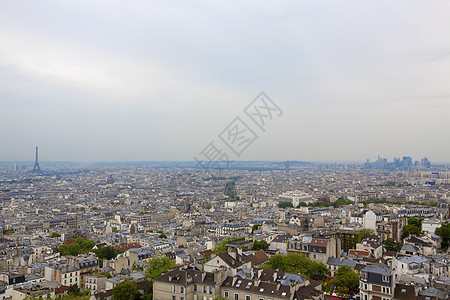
(114, 80)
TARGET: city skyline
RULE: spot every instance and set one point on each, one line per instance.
(159, 81)
(380, 162)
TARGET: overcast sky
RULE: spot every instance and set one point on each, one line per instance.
(141, 80)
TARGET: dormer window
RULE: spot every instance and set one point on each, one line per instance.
(364, 275)
(385, 278)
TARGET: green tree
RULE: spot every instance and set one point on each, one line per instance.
(222, 247)
(125, 290)
(258, 245)
(301, 204)
(255, 227)
(162, 236)
(345, 283)
(79, 246)
(444, 233)
(392, 245)
(55, 235)
(416, 222)
(297, 263)
(275, 262)
(359, 236)
(73, 290)
(107, 252)
(341, 201)
(157, 265)
(410, 230)
(284, 204)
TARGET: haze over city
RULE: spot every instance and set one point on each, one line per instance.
(148, 81)
(217, 150)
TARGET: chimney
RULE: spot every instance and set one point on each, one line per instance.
(232, 253)
(292, 288)
(275, 276)
(219, 277)
(234, 280)
(257, 282)
(259, 273)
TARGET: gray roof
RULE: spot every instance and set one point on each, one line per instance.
(341, 262)
(412, 259)
(378, 269)
(409, 248)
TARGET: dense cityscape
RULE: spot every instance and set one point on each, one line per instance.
(224, 150)
(173, 231)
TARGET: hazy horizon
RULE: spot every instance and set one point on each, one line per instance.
(158, 81)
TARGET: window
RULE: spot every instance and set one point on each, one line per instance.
(225, 294)
(174, 298)
(247, 297)
(385, 278)
(236, 296)
(365, 297)
(195, 287)
(174, 289)
(181, 290)
(365, 286)
(211, 290)
(364, 275)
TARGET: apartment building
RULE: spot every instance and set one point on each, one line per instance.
(376, 283)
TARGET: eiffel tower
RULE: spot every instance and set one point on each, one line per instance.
(36, 162)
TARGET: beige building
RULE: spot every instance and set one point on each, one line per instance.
(188, 284)
(317, 249)
(64, 274)
(95, 283)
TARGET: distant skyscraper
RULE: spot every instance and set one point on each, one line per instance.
(36, 162)
(286, 166)
(425, 162)
(407, 161)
